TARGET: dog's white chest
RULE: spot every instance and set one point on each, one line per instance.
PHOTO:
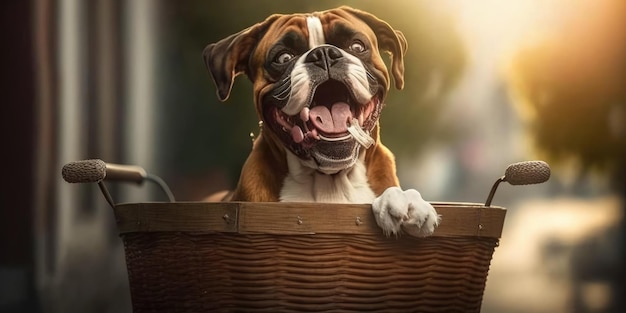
(304, 184)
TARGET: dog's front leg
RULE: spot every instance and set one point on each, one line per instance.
(396, 208)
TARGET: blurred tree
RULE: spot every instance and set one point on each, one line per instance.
(571, 87)
(208, 135)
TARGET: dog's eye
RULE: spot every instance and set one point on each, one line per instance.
(284, 58)
(357, 46)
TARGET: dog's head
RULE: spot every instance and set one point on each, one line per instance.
(319, 79)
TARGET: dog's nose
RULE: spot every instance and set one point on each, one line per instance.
(324, 56)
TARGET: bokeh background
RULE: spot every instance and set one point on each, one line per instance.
(488, 83)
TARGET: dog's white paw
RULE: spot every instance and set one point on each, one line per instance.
(395, 209)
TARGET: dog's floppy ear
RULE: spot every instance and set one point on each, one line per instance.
(389, 39)
(229, 57)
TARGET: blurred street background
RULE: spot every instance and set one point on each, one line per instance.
(487, 83)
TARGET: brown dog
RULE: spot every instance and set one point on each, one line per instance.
(319, 87)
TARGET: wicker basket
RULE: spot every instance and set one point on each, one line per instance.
(288, 257)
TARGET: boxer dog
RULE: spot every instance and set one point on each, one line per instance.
(319, 87)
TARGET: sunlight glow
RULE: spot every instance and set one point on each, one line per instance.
(497, 26)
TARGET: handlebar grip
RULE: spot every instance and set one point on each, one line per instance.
(96, 170)
(527, 173)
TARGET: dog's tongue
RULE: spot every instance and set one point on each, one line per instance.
(331, 121)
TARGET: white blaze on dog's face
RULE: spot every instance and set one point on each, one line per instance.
(319, 80)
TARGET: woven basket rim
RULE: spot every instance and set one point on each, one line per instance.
(282, 218)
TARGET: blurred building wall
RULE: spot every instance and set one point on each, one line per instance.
(17, 122)
(83, 86)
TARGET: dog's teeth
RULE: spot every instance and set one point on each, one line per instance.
(304, 114)
(296, 134)
(362, 137)
(314, 134)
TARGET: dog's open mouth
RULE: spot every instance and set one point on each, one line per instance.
(333, 115)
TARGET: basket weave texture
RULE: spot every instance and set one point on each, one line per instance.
(215, 271)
